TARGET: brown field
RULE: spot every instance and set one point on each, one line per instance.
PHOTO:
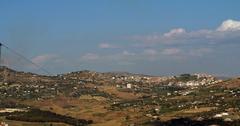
(89, 109)
(185, 113)
(123, 95)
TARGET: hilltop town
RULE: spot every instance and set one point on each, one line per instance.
(123, 99)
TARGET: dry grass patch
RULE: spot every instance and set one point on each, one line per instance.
(123, 95)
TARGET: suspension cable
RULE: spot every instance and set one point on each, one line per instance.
(23, 57)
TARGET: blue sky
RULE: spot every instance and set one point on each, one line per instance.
(158, 37)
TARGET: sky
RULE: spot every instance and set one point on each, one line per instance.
(155, 37)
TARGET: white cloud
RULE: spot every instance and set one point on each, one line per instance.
(228, 30)
(229, 25)
(174, 32)
(43, 58)
(107, 46)
(176, 44)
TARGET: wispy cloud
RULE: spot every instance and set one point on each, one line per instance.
(107, 46)
(175, 46)
(174, 32)
(41, 59)
(228, 30)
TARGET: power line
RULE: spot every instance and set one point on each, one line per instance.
(23, 57)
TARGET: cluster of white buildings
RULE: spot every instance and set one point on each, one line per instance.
(205, 81)
(144, 79)
(203, 75)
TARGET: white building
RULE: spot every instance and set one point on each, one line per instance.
(129, 86)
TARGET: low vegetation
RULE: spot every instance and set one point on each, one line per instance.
(37, 115)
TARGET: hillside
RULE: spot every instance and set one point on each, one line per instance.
(118, 98)
(230, 83)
